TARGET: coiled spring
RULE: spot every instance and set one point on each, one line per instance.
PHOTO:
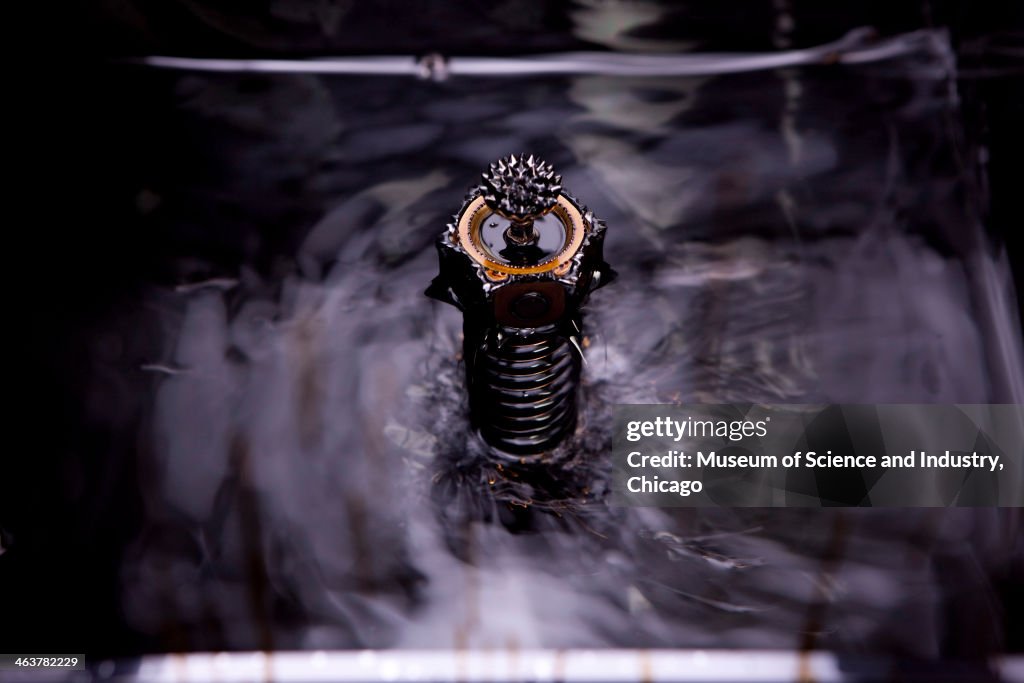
(522, 386)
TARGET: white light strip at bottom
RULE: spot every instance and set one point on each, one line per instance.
(708, 666)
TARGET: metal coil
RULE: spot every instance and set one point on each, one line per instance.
(522, 387)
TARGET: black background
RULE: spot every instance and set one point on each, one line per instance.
(77, 254)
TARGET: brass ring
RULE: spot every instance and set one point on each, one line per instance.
(469, 237)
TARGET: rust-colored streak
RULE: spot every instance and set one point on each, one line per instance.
(362, 547)
(309, 383)
(646, 666)
(252, 541)
(815, 619)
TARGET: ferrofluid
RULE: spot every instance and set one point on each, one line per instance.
(519, 260)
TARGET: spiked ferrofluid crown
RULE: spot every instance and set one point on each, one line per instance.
(520, 188)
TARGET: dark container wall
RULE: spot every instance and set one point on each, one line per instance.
(86, 262)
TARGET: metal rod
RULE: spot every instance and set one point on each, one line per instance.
(859, 46)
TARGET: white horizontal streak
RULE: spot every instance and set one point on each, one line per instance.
(709, 666)
(856, 47)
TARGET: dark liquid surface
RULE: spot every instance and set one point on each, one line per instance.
(287, 409)
(550, 239)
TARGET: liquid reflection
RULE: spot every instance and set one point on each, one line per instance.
(311, 479)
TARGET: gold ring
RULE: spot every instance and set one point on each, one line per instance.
(469, 237)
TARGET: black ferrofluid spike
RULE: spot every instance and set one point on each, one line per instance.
(519, 260)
